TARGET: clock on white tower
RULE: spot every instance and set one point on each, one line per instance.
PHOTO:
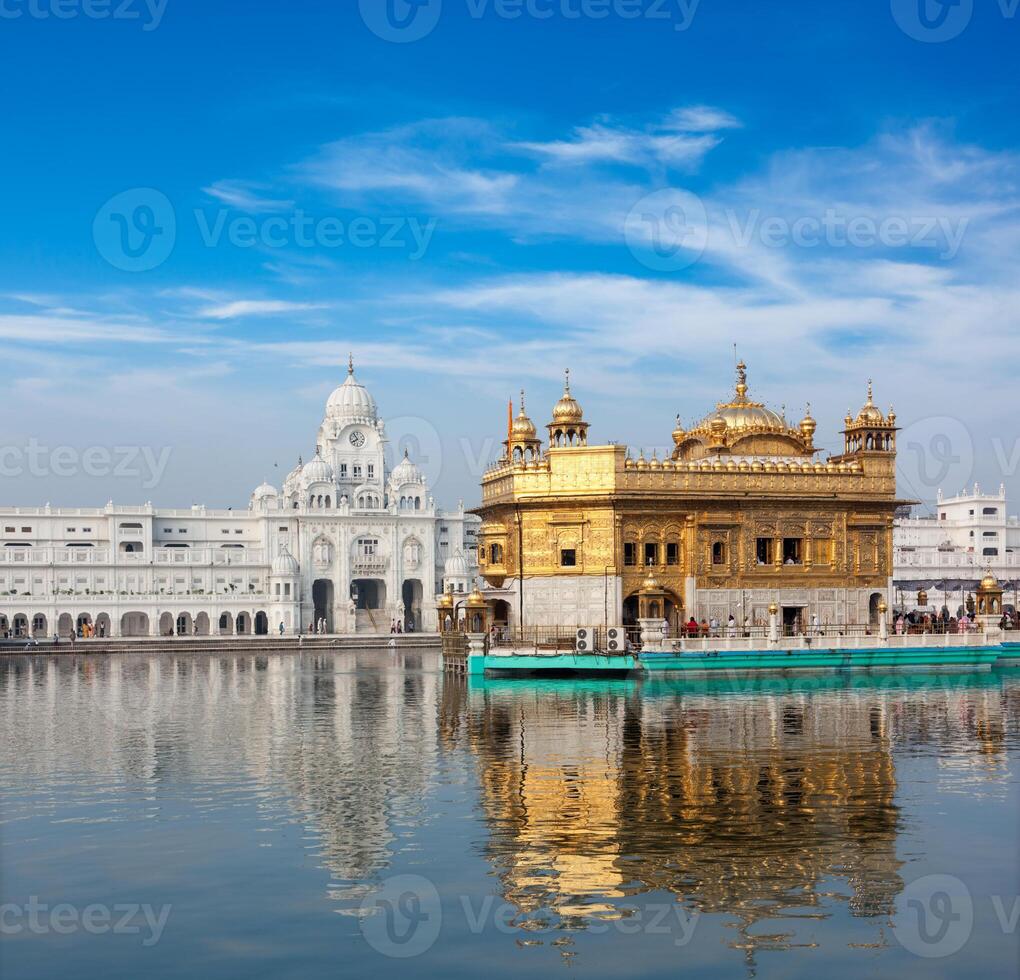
(357, 439)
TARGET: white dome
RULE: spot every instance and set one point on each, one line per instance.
(316, 470)
(456, 566)
(264, 490)
(293, 477)
(285, 564)
(405, 472)
(351, 402)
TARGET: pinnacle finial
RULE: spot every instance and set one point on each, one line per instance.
(522, 402)
(741, 381)
(350, 363)
(566, 383)
(869, 391)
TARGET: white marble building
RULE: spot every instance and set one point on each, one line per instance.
(948, 552)
(346, 539)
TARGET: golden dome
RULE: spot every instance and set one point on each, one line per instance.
(651, 584)
(870, 413)
(476, 600)
(989, 582)
(567, 410)
(523, 428)
(678, 432)
(742, 415)
(808, 425)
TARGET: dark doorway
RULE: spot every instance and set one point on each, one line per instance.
(411, 594)
(793, 620)
(368, 593)
(322, 598)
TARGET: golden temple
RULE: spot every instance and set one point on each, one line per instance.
(741, 514)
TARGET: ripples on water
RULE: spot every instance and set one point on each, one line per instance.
(622, 828)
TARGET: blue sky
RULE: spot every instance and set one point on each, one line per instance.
(207, 205)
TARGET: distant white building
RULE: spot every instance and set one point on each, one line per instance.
(947, 554)
(345, 540)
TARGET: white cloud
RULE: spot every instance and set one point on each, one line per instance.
(255, 307)
(602, 144)
(700, 119)
(424, 161)
(245, 196)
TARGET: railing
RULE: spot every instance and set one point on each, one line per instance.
(762, 632)
(160, 556)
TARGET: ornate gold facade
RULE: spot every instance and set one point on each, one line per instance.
(742, 506)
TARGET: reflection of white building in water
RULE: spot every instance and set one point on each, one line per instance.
(948, 553)
(346, 539)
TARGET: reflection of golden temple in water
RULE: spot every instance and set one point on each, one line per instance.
(595, 797)
(742, 805)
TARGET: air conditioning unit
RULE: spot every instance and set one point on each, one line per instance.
(584, 640)
(616, 639)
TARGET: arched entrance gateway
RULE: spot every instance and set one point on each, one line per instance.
(411, 594)
(873, 614)
(368, 593)
(666, 605)
(261, 624)
(134, 624)
(322, 598)
(501, 614)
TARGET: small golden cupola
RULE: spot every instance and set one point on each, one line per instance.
(808, 426)
(679, 433)
(523, 444)
(568, 427)
(870, 431)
